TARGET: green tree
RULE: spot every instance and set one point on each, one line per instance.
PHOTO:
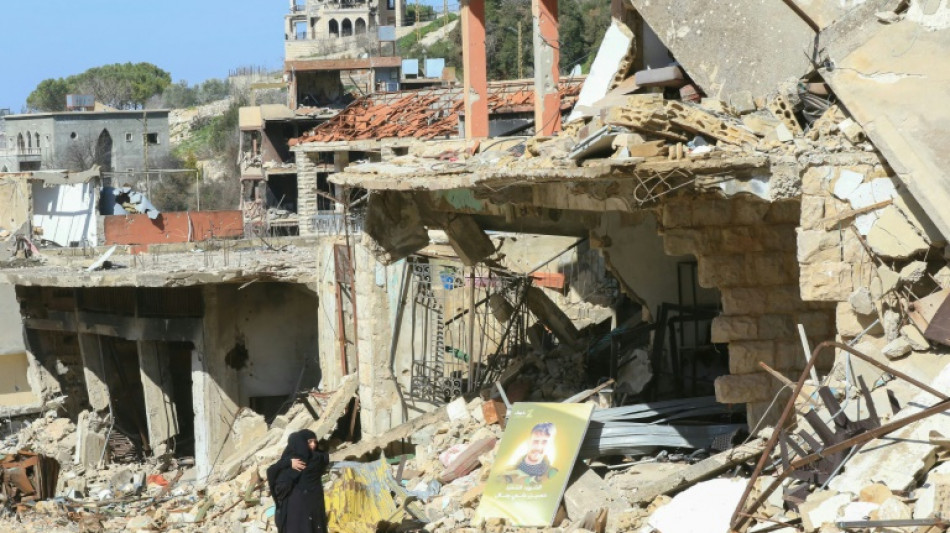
(49, 95)
(120, 85)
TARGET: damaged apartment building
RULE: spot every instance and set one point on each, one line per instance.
(715, 211)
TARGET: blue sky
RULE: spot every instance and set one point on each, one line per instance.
(192, 39)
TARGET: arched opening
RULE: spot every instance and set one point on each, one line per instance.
(104, 151)
(334, 28)
(360, 26)
(346, 29)
(20, 143)
(37, 143)
(29, 140)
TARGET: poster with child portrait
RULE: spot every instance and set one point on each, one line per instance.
(533, 463)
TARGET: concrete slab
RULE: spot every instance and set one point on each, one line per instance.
(744, 45)
(890, 90)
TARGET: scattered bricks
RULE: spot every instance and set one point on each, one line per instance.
(749, 212)
(782, 109)
(744, 388)
(494, 411)
(588, 491)
(677, 214)
(852, 130)
(721, 271)
(816, 246)
(787, 212)
(745, 300)
(744, 356)
(760, 124)
(712, 212)
(742, 102)
(696, 120)
(897, 348)
(776, 327)
(850, 323)
(734, 328)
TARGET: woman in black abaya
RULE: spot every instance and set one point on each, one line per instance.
(296, 485)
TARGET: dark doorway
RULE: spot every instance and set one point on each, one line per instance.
(124, 379)
(179, 364)
(282, 191)
(104, 151)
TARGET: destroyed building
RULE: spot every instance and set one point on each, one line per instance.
(736, 251)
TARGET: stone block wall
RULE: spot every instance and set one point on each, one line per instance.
(747, 249)
(306, 191)
(865, 247)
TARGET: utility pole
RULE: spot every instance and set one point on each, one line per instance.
(445, 13)
(520, 52)
(148, 189)
(418, 18)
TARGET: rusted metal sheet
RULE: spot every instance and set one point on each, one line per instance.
(28, 477)
(931, 315)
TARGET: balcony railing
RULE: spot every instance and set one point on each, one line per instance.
(21, 152)
(297, 8)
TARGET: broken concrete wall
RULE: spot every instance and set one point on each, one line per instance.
(892, 93)
(746, 248)
(16, 203)
(20, 386)
(257, 342)
(276, 339)
(864, 246)
(757, 45)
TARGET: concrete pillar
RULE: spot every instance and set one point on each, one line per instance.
(161, 415)
(214, 384)
(306, 192)
(379, 395)
(475, 69)
(400, 13)
(94, 371)
(547, 101)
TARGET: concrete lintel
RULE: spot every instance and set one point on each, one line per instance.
(125, 327)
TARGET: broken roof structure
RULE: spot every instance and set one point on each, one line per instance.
(427, 113)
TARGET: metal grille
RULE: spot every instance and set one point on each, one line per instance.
(334, 223)
(458, 342)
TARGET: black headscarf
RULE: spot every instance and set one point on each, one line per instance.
(297, 448)
(298, 444)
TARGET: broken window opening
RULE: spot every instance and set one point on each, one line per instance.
(333, 27)
(151, 138)
(300, 30)
(282, 192)
(346, 28)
